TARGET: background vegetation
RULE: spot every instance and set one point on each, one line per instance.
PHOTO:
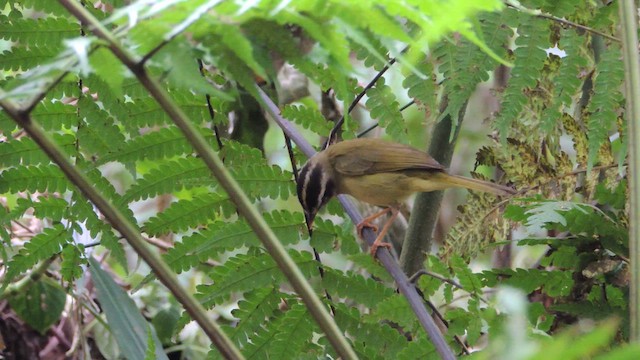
(111, 109)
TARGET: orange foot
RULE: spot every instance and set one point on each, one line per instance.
(378, 244)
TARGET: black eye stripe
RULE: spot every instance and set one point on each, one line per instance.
(313, 196)
(302, 179)
(329, 191)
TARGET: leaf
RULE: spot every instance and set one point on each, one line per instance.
(41, 305)
(384, 107)
(246, 272)
(42, 246)
(125, 321)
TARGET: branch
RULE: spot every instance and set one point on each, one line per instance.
(629, 25)
(383, 254)
(540, 14)
(417, 241)
(240, 199)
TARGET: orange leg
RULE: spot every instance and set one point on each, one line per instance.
(366, 222)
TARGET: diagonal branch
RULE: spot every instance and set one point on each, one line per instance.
(385, 257)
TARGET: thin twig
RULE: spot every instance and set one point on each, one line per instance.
(540, 14)
(354, 103)
(365, 132)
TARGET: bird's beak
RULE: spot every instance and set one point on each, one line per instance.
(308, 218)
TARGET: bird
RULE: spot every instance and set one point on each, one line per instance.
(378, 172)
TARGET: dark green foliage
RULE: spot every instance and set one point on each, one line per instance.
(385, 108)
(128, 146)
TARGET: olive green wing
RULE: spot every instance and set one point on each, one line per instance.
(371, 156)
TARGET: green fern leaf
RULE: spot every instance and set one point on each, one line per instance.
(460, 85)
(172, 176)
(606, 101)
(49, 7)
(98, 133)
(384, 106)
(164, 143)
(294, 334)
(71, 266)
(529, 59)
(52, 208)
(309, 118)
(55, 116)
(327, 237)
(26, 152)
(396, 309)
(21, 58)
(187, 214)
(423, 91)
(377, 341)
(146, 112)
(369, 50)
(355, 287)
(247, 272)
(261, 339)
(47, 32)
(221, 236)
(553, 283)
(256, 307)
(420, 348)
(42, 246)
(260, 180)
(41, 178)
(189, 173)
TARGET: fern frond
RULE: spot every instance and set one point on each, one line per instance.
(50, 207)
(384, 107)
(256, 308)
(420, 348)
(294, 334)
(459, 85)
(221, 236)
(395, 309)
(529, 57)
(606, 101)
(164, 143)
(566, 80)
(423, 91)
(42, 246)
(377, 341)
(172, 176)
(189, 173)
(479, 224)
(47, 32)
(260, 180)
(25, 151)
(98, 132)
(41, 178)
(49, 7)
(21, 58)
(146, 112)
(187, 214)
(309, 118)
(246, 272)
(354, 286)
(55, 116)
(327, 237)
(72, 262)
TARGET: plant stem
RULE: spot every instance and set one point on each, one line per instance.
(629, 28)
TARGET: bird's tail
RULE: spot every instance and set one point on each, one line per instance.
(479, 185)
